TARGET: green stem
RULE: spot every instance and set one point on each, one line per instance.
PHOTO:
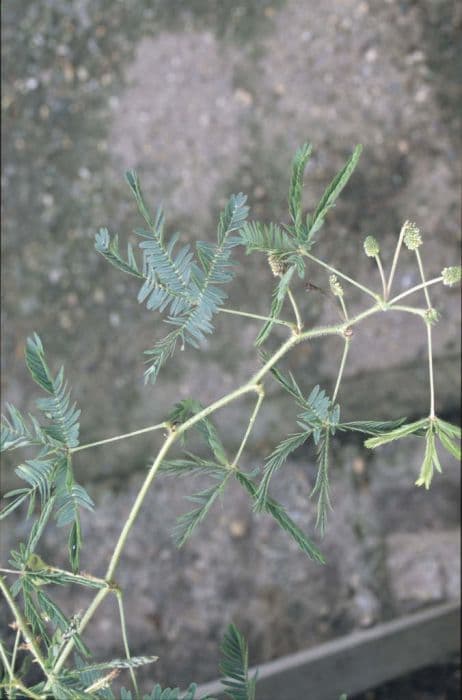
(435, 280)
(125, 640)
(429, 337)
(344, 309)
(395, 260)
(295, 308)
(382, 275)
(366, 290)
(234, 312)
(149, 429)
(15, 649)
(253, 385)
(341, 368)
(408, 309)
(22, 625)
(6, 663)
(422, 276)
(430, 371)
(250, 425)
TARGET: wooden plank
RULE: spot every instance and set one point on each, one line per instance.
(359, 661)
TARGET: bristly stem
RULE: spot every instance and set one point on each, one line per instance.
(366, 290)
(395, 260)
(13, 681)
(234, 312)
(429, 283)
(22, 624)
(6, 663)
(382, 276)
(429, 337)
(149, 429)
(346, 347)
(250, 425)
(295, 308)
(123, 627)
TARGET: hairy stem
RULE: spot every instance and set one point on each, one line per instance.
(22, 625)
(149, 429)
(250, 425)
(422, 276)
(382, 275)
(429, 336)
(123, 627)
(366, 290)
(234, 312)
(6, 663)
(295, 308)
(346, 347)
(395, 261)
(435, 280)
(253, 385)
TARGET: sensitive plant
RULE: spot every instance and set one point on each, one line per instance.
(185, 286)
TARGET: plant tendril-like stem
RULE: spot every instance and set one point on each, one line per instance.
(346, 347)
(235, 312)
(295, 308)
(405, 294)
(123, 627)
(395, 260)
(250, 425)
(149, 429)
(364, 289)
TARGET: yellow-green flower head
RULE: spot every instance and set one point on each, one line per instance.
(452, 275)
(412, 237)
(335, 286)
(432, 316)
(371, 247)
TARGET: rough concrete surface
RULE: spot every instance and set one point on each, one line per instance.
(205, 99)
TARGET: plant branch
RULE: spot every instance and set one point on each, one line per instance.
(6, 663)
(429, 336)
(395, 260)
(234, 312)
(150, 428)
(123, 627)
(295, 308)
(435, 280)
(341, 368)
(22, 625)
(364, 289)
(250, 425)
(253, 385)
(382, 275)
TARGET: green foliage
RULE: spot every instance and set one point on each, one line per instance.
(185, 284)
(235, 666)
(189, 289)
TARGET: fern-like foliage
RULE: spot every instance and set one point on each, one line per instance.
(175, 281)
(187, 523)
(64, 418)
(49, 475)
(296, 187)
(279, 295)
(235, 666)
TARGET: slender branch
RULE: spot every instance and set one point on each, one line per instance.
(250, 425)
(435, 280)
(422, 276)
(382, 275)
(150, 428)
(429, 337)
(15, 649)
(6, 663)
(341, 368)
(253, 385)
(344, 308)
(234, 312)
(123, 627)
(395, 260)
(430, 371)
(295, 308)
(408, 309)
(94, 605)
(366, 290)
(22, 624)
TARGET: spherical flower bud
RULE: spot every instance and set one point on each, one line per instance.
(335, 286)
(412, 238)
(371, 247)
(432, 316)
(452, 275)
(276, 264)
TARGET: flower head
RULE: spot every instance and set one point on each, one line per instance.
(412, 238)
(452, 275)
(371, 247)
(335, 286)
